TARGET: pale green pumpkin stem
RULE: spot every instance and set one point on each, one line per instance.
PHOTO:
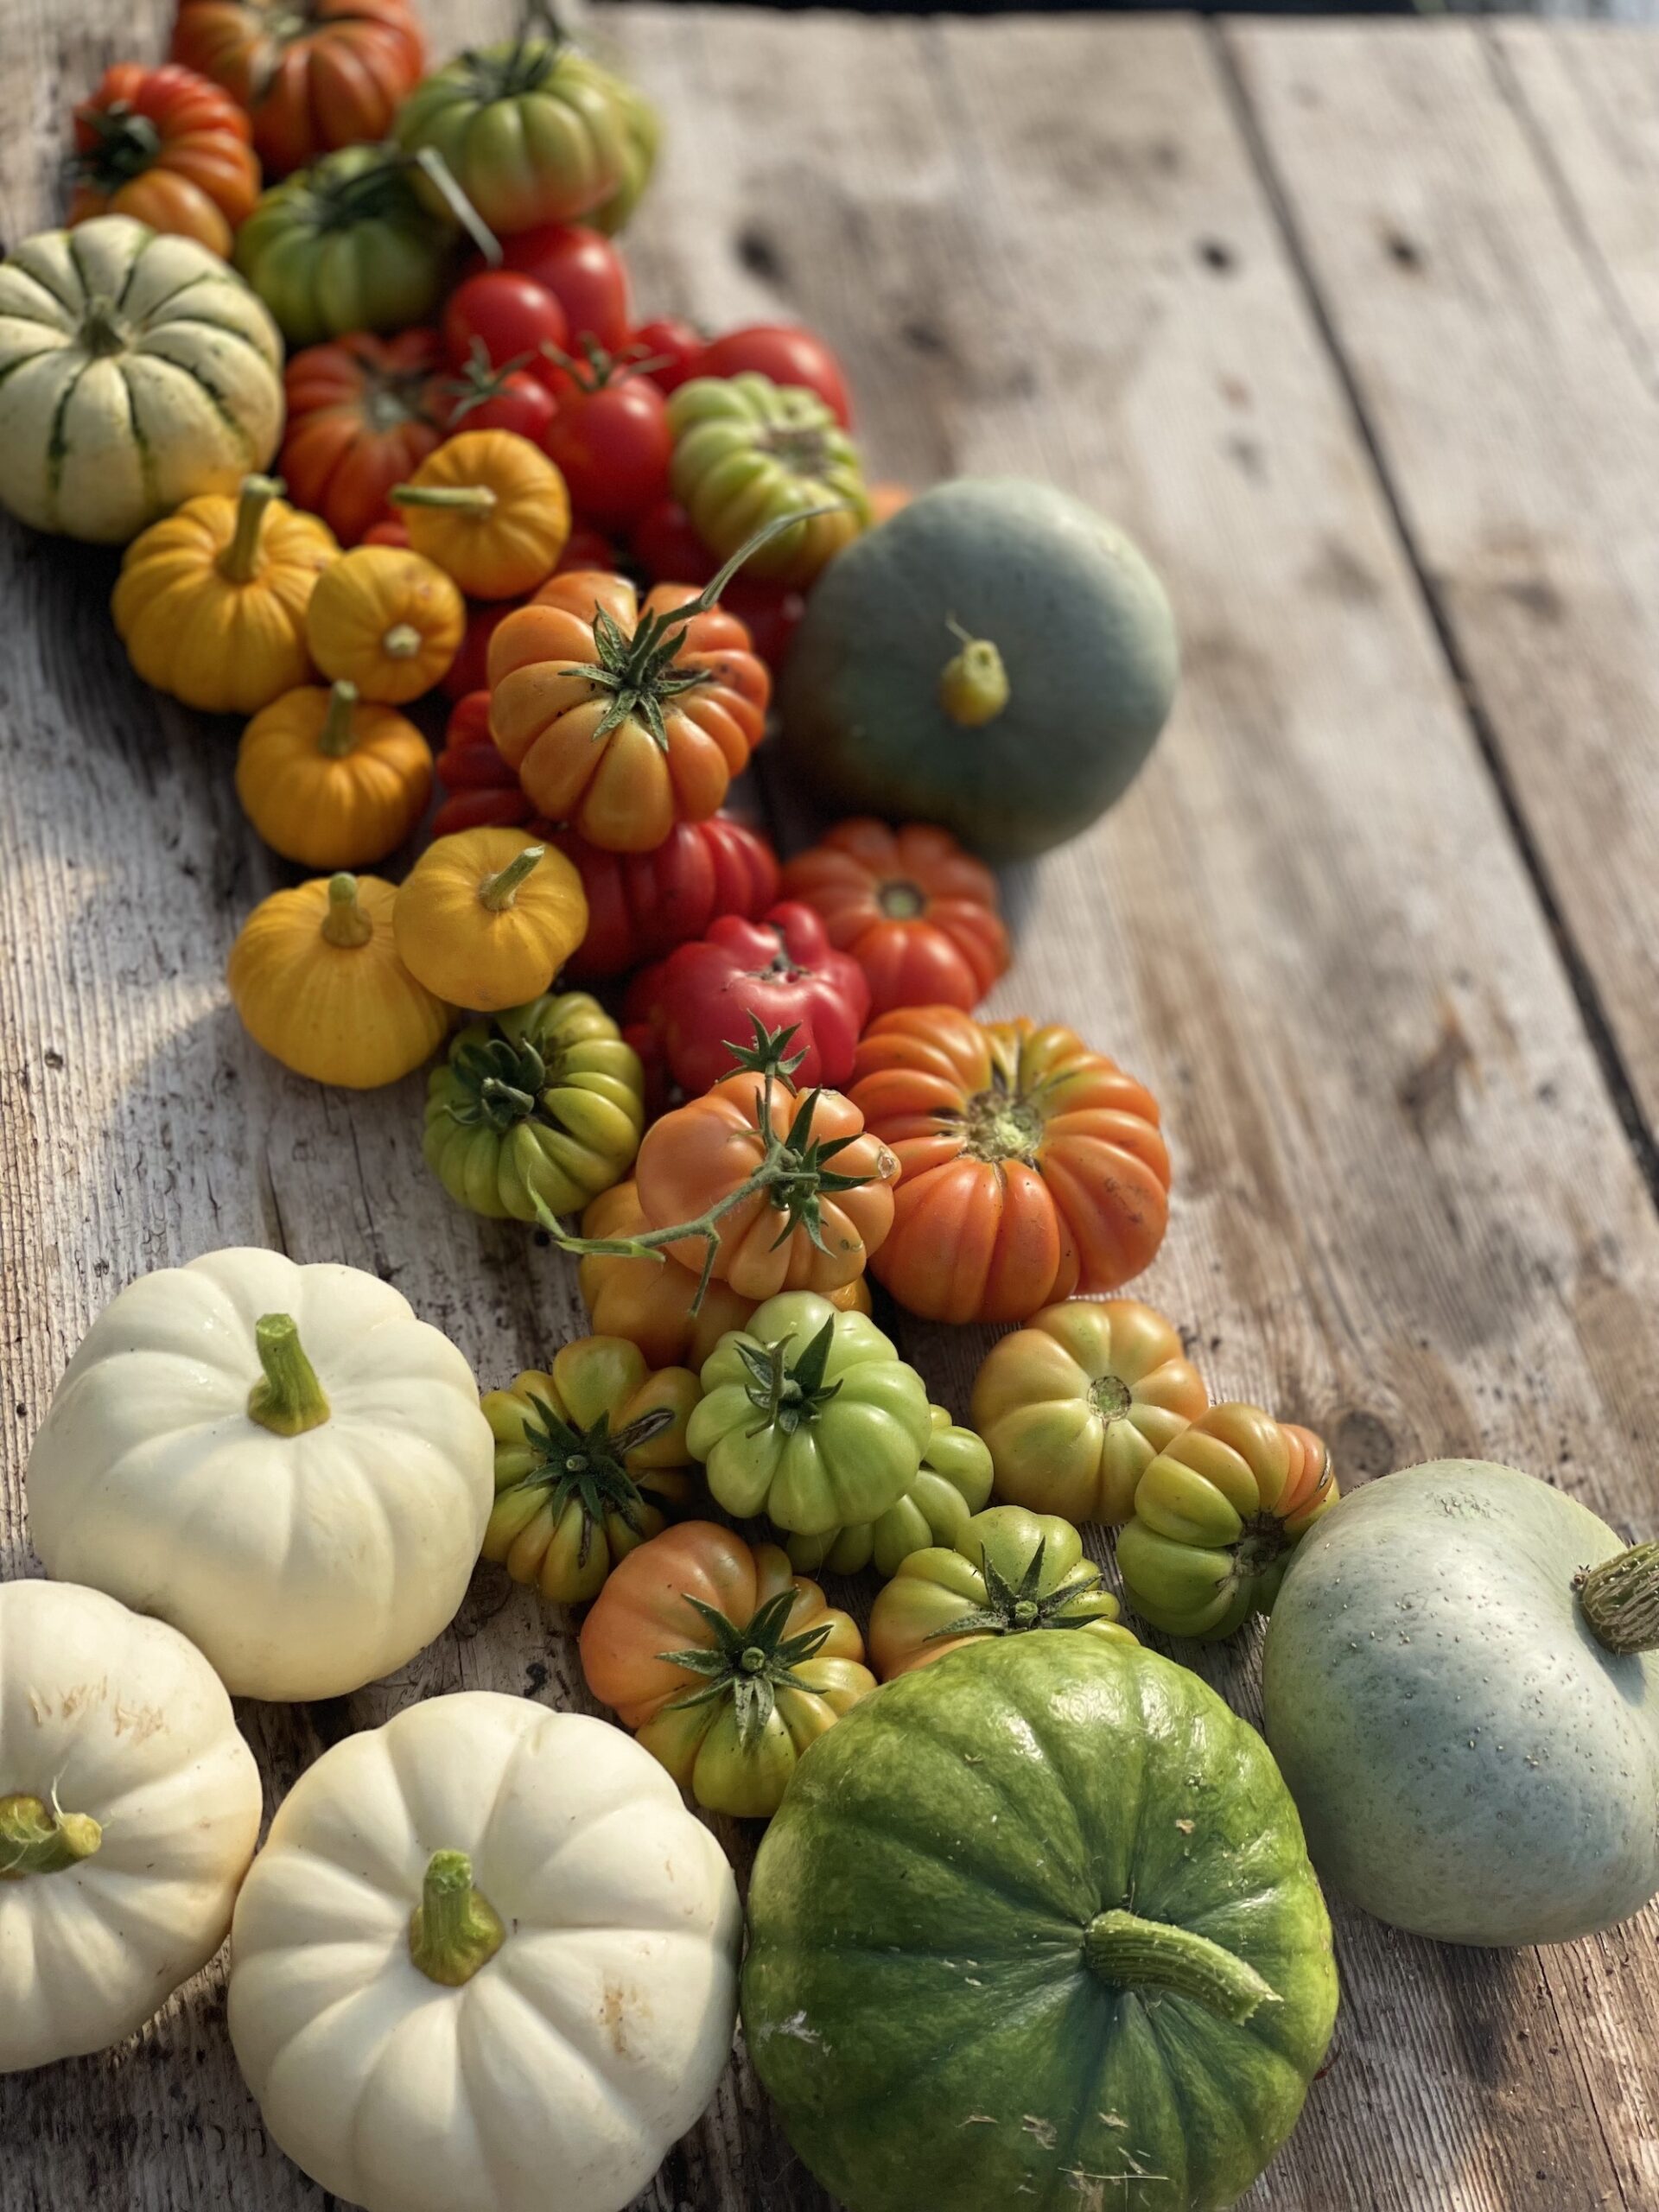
(1130, 1953)
(334, 738)
(471, 498)
(498, 892)
(346, 924)
(36, 1838)
(239, 563)
(289, 1400)
(973, 684)
(454, 1930)
(1620, 1599)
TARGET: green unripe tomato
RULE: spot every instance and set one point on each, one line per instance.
(747, 451)
(348, 243)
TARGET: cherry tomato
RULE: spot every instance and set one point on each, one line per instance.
(665, 543)
(611, 442)
(485, 398)
(390, 532)
(785, 352)
(675, 346)
(584, 273)
(508, 316)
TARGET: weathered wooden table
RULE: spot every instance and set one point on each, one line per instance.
(1357, 329)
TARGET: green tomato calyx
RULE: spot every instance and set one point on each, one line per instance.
(1619, 1599)
(749, 1662)
(126, 145)
(1262, 1544)
(587, 1467)
(454, 1930)
(901, 900)
(788, 1397)
(38, 1837)
(1016, 1608)
(287, 1400)
(999, 1123)
(498, 1083)
(1127, 1952)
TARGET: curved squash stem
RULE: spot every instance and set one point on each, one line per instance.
(1130, 1953)
(1619, 1600)
(36, 1838)
(973, 684)
(454, 1930)
(239, 563)
(498, 892)
(346, 924)
(287, 1400)
(334, 742)
(470, 499)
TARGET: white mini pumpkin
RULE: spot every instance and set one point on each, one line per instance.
(136, 369)
(129, 1811)
(486, 1959)
(280, 1460)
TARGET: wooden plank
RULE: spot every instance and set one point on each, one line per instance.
(1404, 1210)
(1493, 361)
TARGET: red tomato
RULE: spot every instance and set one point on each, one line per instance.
(485, 398)
(640, 905)
(782, 971)
(771, 613)
(786, 353)
(390, 532)
(674, 346)
(584, 273)
(466, 671)
(611, 442)
(480, 789)
(665, 543)
(510, 318)
(586, 548)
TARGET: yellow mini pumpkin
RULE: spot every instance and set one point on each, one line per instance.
(387, 620)
(316, 978)
(332, 781)
(487, 918)
(210, 603)
(491, 511)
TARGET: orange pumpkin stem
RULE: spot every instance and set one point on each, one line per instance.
(239, 563)
(346, 924)
(498, 891)
(334, 742)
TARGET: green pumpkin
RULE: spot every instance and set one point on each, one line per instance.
(1471, 1733)
(348, 243)
(997, 657)
(1034, 1927)
(952, 1484)
(543, 1102)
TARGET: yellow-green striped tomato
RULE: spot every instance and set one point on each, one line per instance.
(952, 1484)
(543, 1102)
(809, 1416)
(747, 451)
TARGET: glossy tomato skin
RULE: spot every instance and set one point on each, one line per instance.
(780, 970)
(362, 413)
(786, 352)
(612, 444)
(327, 74)
(640, 905)
(700, 1153)
(585, 274)
(503, 399)
(479, 790)
(510, 317)
(676, 349)
(922, 917)
(1032, 1167)
(169, 148)
(665, 543)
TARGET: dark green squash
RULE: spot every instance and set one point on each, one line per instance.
(1035, 1928)
(997, 657)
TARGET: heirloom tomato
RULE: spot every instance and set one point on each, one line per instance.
(952, 1483)
(787, 354)
(781, 970)
(749, 452)
(590, 1458)
(921, 916)
(479, 789)
(362, 413)
(167, 148)
(809, 1416)
(640, 905)
(1217, 1516)
(724, 1664)
(1077, 1405)
(1030, 1165)
(313, 77)
(1007, 1572)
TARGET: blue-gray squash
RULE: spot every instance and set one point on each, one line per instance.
(1461, 1688)
(997, 657)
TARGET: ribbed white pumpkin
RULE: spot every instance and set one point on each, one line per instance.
(187, 1466)
(486, 1959)
(136, 369)
(129, 1811)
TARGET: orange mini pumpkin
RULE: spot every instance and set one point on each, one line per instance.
(332, 781)
(385, 620)
(491, 511)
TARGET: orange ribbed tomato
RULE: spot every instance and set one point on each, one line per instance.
(1030, 1166)
(921, 916)
(702, 1152)
(590, 701)
(168, 149)
(363, 414)
(312, 74)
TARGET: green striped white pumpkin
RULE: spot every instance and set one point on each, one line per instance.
(136, 369)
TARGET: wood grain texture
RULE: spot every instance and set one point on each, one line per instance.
(1405, 1210)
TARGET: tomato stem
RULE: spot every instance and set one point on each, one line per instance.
(38, 1838)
